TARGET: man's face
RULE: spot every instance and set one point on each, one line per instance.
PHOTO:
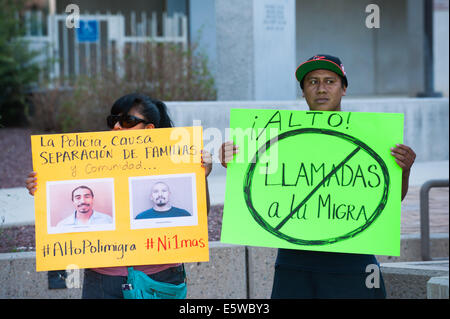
(323, 90)
(160, 194)
(83, 200)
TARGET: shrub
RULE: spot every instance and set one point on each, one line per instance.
(162, 71)
(47, 107)
(17, 69)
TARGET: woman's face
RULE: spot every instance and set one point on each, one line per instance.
(134, 112)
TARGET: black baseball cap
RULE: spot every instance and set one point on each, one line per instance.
(321, 61)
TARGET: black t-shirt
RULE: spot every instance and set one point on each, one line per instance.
(324, 261)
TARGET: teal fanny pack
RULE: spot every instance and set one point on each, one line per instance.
(141, 286)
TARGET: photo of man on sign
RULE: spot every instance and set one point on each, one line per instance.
(80, 205)
(83, 200)
(163, 201)
(160, 195)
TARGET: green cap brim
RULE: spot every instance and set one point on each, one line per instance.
(312, 65)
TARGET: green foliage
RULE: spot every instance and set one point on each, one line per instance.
(163, 71)
(17, 71)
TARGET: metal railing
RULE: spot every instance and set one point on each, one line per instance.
(425, 214)
(70, 55)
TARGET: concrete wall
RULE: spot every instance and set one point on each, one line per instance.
(410, 280)
(234, 50)
(274, 49)
(441, 48)
(416, 73)
(379, 61)
(255, 49)
(224, 276)
(438, 288)
(384, 60)
(233, 272)
(112, 6)
(202, 30)
(341, 30)
(388, 60)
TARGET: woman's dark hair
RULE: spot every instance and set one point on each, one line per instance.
(153, 110)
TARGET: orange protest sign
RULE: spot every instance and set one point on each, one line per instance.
(120, 198)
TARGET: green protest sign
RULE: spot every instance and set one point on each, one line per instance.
(323, 181)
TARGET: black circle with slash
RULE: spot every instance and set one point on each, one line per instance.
(277, 229)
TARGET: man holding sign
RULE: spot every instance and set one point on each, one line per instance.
(303, 273)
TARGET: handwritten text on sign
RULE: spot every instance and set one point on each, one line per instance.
(107, 199)
(314, 180)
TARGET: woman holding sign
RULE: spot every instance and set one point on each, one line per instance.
(132, 112)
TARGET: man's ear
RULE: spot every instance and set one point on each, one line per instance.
(149, 126)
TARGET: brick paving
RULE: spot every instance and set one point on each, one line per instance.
(439, 211)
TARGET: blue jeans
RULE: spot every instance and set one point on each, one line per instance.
(99, 286)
